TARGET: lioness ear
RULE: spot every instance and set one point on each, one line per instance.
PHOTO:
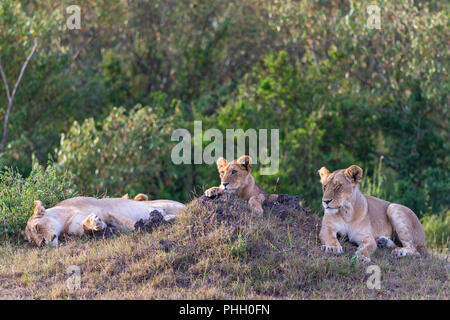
(141, 197)
(39, 209)
(125, 196)
(221, 162)
(324, 173)
(245, 162)
(353, 174)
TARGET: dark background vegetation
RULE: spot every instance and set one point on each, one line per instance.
(98, 105)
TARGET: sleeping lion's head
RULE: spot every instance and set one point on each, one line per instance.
(338, 187)
(234, 175)
(40, 229)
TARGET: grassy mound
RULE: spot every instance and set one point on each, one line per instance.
(217, 249)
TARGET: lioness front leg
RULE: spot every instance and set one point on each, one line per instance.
(255, 203)
(213, 192)
(93, 223)
(330, 241)
(366, 247)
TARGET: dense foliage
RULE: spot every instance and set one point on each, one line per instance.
(339, 92)
(18, 193)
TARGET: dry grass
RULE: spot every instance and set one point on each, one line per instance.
(216, 250)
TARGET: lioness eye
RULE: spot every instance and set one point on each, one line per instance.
(233, 171)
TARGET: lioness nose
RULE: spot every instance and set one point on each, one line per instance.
(326, 201)
(225, 184)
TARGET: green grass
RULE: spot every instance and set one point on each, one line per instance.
(212, 253)
(437, 229)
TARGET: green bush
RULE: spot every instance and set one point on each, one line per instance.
(127, 152)
(437, 229)
(17, 196)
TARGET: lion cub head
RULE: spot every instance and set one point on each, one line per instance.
(40, 228)
(234, 175)
(338, 187)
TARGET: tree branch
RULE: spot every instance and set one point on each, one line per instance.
(11, 95)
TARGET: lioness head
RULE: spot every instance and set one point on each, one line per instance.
(40, 229)
(338, 187)
(234, 175)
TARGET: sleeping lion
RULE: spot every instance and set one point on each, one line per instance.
(80, 215)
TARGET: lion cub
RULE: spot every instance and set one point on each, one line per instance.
(366, 220)
(236, 179)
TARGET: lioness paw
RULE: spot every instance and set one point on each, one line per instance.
(403, 252)
(364, 259)
(384, 242)
(94, 223)
(332, 249)
(212, 192)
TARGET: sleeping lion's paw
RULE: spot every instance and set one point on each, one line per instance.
(332, 249)
(94, 223)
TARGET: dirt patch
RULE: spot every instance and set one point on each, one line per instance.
(285, 205)
(155, 219)
(105, 233)
(223, 207)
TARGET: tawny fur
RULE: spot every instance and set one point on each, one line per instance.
(139, 197)
(83, 214)
(364, 219)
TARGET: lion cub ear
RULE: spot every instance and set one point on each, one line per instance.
(39, 209)
(221, 162)
(324, 173)
(126, 196)
(245, 162)
(353, 174)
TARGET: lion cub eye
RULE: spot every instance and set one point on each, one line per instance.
(233, 171)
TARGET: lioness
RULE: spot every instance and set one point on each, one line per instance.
(236, 178)
(81, 215)
(366, 220)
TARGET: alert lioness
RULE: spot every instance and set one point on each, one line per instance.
(82, 215)
(366, 220)
(236, 178)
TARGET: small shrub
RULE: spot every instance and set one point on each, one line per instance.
(17, 195)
